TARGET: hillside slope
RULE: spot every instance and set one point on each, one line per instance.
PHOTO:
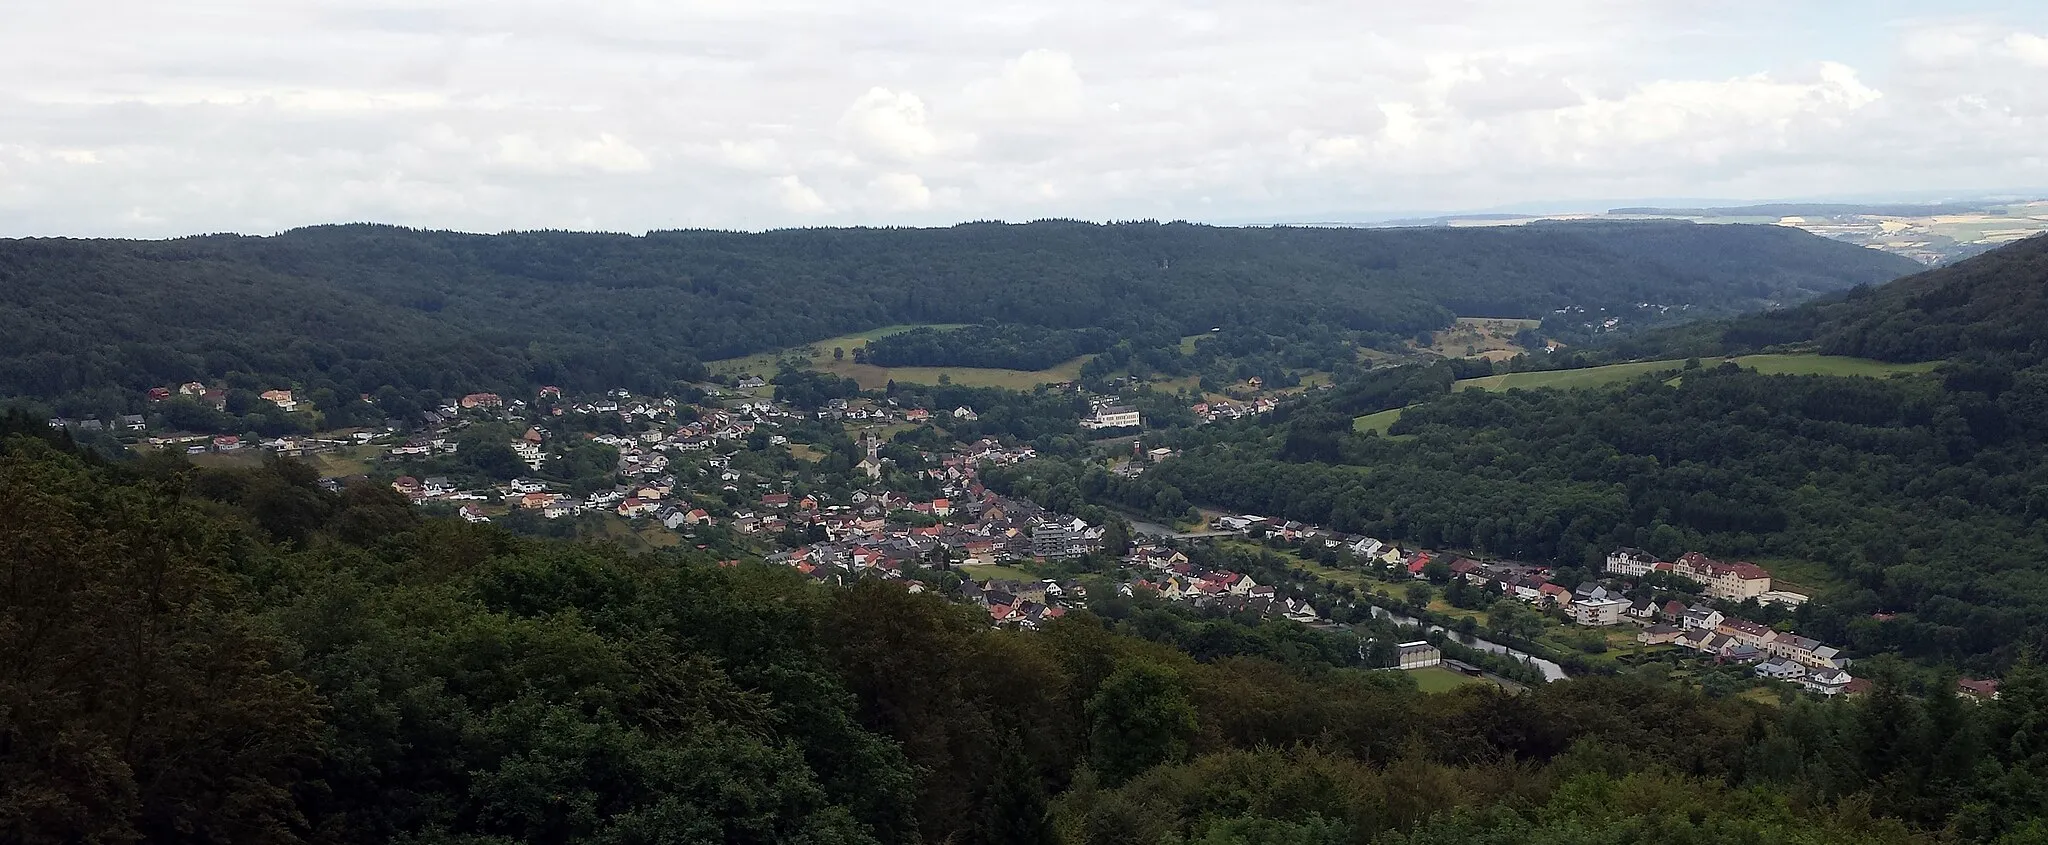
(1993, 304)
(368, 306)
(238, 656)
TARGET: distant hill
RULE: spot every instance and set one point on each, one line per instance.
(1793, 209)
(356, 308)
(1994, 304)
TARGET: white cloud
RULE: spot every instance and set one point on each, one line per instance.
(604, 153)
(795, 196)
(890, 124)
(1039, 86)
(2029, 48)
(137, 118)
(756, 155)
(901, 191)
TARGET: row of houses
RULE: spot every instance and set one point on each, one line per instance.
(1736, 582)
(1168, 574)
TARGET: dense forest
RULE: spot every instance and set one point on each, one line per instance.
(1993, 306)
(357, 309)
(229, 656)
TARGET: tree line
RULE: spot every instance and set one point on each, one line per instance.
(357, 309)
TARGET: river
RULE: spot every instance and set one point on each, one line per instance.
(1551, 671)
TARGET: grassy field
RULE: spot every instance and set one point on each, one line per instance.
(871, 377)
(1793, 364)
(1439, 679)
(1800, 576)
(1379, 422)
(1492, 338)
(986, 571)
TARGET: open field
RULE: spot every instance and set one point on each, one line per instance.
(1439, 679)
(1492, 338)
(986, 571)
(1828, 365)
(1790, 364)
(1784, 364)
(872, 377)
(1800, 576)
(1379, 422)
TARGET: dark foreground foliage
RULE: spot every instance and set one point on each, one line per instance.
(236, 656)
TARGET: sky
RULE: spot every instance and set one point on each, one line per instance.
(145, 118)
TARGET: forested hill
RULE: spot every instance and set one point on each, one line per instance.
(360, 307)
(238, 656)
(1993, 305)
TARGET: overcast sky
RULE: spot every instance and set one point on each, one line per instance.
(153, 118)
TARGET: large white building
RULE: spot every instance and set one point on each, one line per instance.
(1598, 612)
(1420, 654)
(1727, 581)
(1114, 416)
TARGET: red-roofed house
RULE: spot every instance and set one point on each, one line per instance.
(1984, 690)
(1415, 566)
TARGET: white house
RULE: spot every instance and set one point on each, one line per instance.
(1598, 612)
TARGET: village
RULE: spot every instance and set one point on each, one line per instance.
(1661, 620)
(680, 469)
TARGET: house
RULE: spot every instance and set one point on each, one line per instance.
(482, 400)
(1114, 416)
(1630, 563)
(1984, 690)
(1828, 682)
(282, 399)
(965, 413)
(1598, 612)
(1725, 581)
(917, 415)
(472, 515)
(1780, 669)
(1416, 566)
(1748, 633)
(1702, 617)
(1784, 597)
(1808, 651)
(775, 500)
(1642, 611)
(131, 422)
(1419, 654)
(1659, 634)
